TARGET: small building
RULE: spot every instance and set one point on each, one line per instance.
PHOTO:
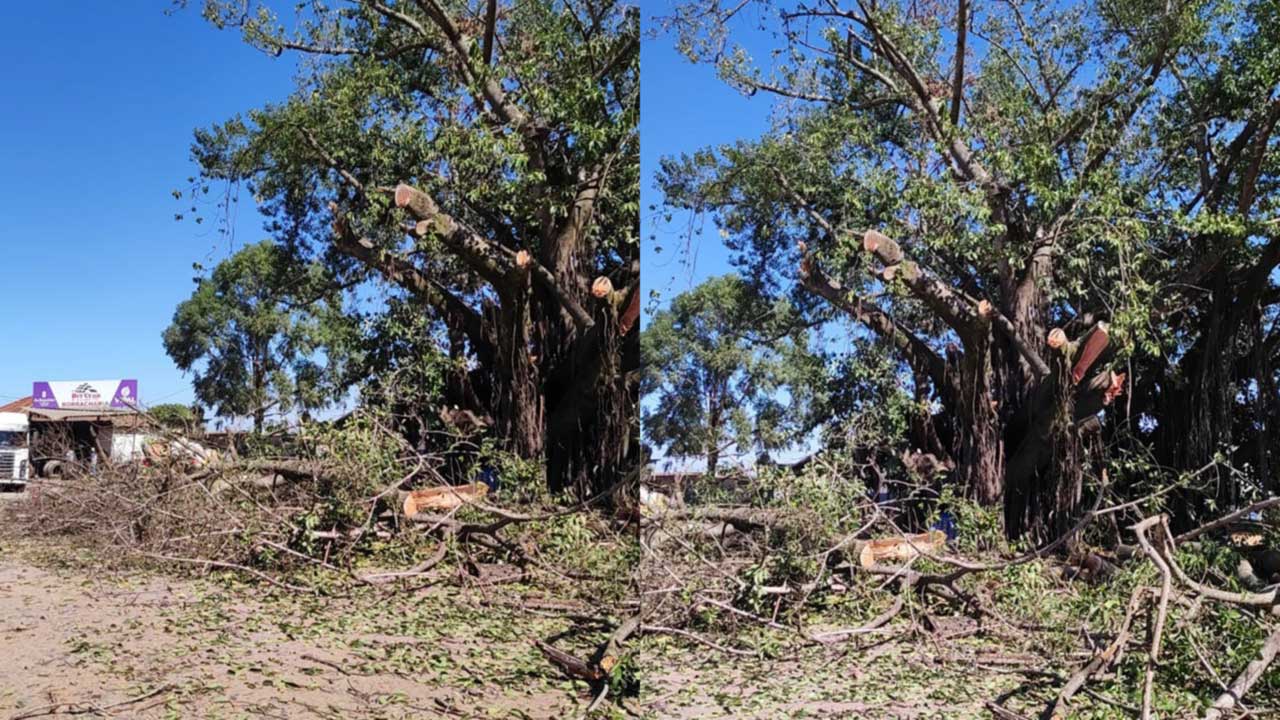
(17, 406)
(83, 435)
(83, 421)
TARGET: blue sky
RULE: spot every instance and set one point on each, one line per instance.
(683, 108)
(99, 103)
(94, 136)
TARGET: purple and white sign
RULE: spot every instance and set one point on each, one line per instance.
(78, 394)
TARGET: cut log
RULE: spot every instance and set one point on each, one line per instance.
(418, 202)
(901, 549)
(630, 315)
(602, 288)
(1057, 339)
(878, 244)
(1093, 347)
(1252, 672)
(447, 497)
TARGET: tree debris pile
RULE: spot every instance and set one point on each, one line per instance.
(1095, 623)
(331, 517)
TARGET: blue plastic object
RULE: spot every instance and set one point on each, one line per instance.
(947, 524)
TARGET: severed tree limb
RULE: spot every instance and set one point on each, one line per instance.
(397, 269)
(1228, 519)
(1267, 599)
(1091, 348)
(492, 261)
(1101, 660)
(481, 254)
(609, 654)
(570, 665)
(919, 355)
(602, 662)
(1252, 673)
(1153, 655)
(926, 286)
(630, 314)
(958, 311)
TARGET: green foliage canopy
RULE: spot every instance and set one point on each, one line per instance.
(479, 161)
(726, 367)
(251, 333)
(1040, 165)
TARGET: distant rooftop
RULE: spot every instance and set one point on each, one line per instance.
(17, 405)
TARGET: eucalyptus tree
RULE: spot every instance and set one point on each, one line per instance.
(479, 158)
(1041, 207)
(254, 334)
(726, 367)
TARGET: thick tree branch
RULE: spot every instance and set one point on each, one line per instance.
(490, 24)
(404, 273)
(482, 255)
(962, 158)
(957, 83)
(926, 286)
(918, 354)
(491, 260)
(1253, 672)
(490, 86)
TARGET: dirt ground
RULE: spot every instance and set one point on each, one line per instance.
(881, 676)
(138, 645)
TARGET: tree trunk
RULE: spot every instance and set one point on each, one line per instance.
(259, 397)
(518, 401)
(591, 394)
(979, 451)
(715, 420)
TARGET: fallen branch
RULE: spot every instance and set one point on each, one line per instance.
(1228, 519)
(1058, 708)
(84, 708)
(572, 666)
(879, 621)
(1268, 599)
(1252, 672)
(1163, 563)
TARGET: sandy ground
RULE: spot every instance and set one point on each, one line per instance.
(146, 646)
(884, 676)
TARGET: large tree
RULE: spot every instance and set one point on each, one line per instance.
(481, 159)
(718, 364)
(254, 334)
(1038, 206)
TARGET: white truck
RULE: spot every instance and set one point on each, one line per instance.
(14, 460)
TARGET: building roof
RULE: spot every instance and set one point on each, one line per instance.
(107, 415)
(17, 405)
